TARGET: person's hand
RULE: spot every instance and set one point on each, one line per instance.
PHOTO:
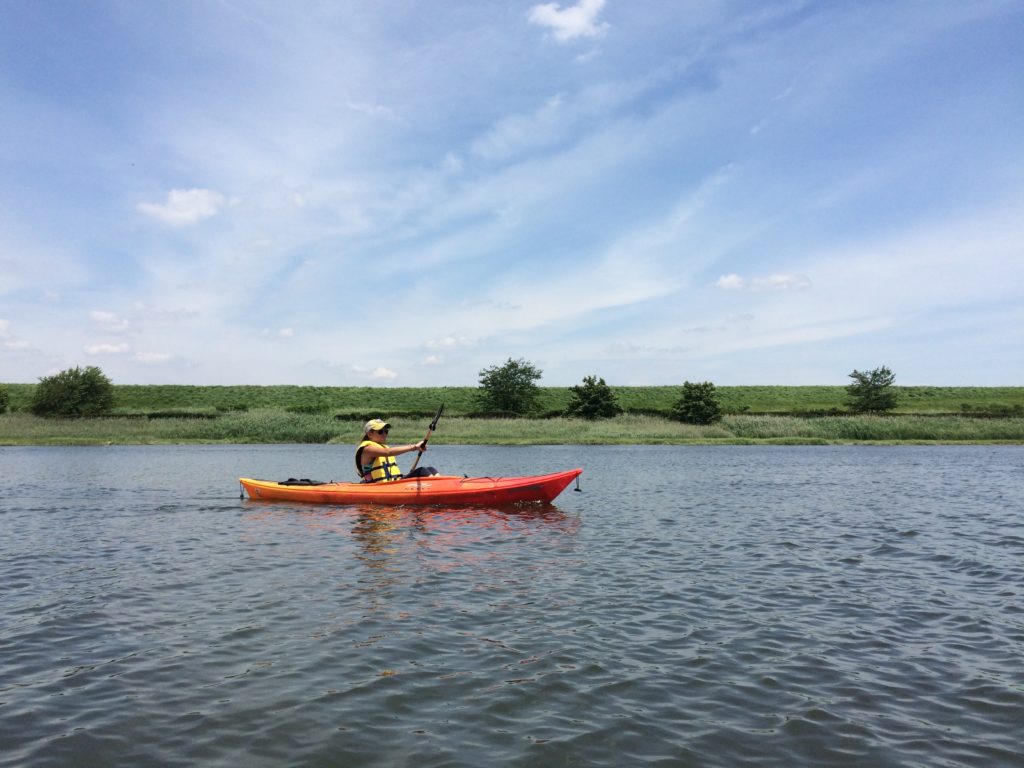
(421, 446)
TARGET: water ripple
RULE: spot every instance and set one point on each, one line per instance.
(813, 607)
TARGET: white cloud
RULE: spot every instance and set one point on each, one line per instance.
(450, 342)
(571, 115)
(280, 333)
(383, 373)
(781, 283)
(106, 349)
(731, 282)
(9, 341)
(544, 127)
(579, 20)
(633, 268)
(776, 282)
(153, 358)
(433, 360)
(452, 164)
(185, 206)
(108, 321)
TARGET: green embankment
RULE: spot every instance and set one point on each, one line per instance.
(294, 414)
(279, 426)
(130, 399)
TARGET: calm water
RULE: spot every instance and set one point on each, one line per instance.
(694, 606)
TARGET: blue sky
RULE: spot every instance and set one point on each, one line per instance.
(398, 193)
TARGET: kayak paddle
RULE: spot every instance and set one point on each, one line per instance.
(430, 431)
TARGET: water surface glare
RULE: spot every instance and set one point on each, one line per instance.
(694, 606)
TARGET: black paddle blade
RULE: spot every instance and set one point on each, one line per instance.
(433, 424)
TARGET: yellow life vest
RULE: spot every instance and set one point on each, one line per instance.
(384, 469)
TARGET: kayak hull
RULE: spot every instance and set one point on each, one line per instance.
(436, 489)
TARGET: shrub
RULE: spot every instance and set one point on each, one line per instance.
(989, 410)
(73, 392)
(698, 404)
(308, 408)
(871, 391)
(510, 387)
(5, 400)
(592, 400)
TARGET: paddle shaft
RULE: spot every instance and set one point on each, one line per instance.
(430, 431)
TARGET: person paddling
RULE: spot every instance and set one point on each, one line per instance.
(375, 459)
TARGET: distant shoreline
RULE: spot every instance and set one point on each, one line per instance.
(773, 415)
(278, 426)
(388, 402)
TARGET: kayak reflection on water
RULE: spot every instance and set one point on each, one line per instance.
(397, 541)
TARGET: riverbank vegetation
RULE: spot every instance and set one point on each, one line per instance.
(135, 399)
(274, 425)
(295, 414)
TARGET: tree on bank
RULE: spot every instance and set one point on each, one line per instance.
(73, 392)
(509, 388)
(592, 400)
(871, 391)
(5, 400)
(698, 404)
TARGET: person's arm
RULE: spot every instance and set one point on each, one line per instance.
(375, 450)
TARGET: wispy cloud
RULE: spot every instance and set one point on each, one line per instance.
(154, 358)
(731, 282)
(385, 374)
(619, 218)
(10, 341)
(108, 321)
(776, 282)
(371, 110)
(280, 333)
(449, 342)
(107, 349)
(569, 23)
(185, 206)
(545, 127)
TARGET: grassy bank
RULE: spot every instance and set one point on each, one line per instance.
(292, 414)
(279, 426)
(396, 401)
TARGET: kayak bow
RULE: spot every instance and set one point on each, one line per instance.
(435, 489)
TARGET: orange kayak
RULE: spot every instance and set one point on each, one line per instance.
(436, 489)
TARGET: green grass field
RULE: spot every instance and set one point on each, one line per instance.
(272, 425)
(292, 414)
(389, 401)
